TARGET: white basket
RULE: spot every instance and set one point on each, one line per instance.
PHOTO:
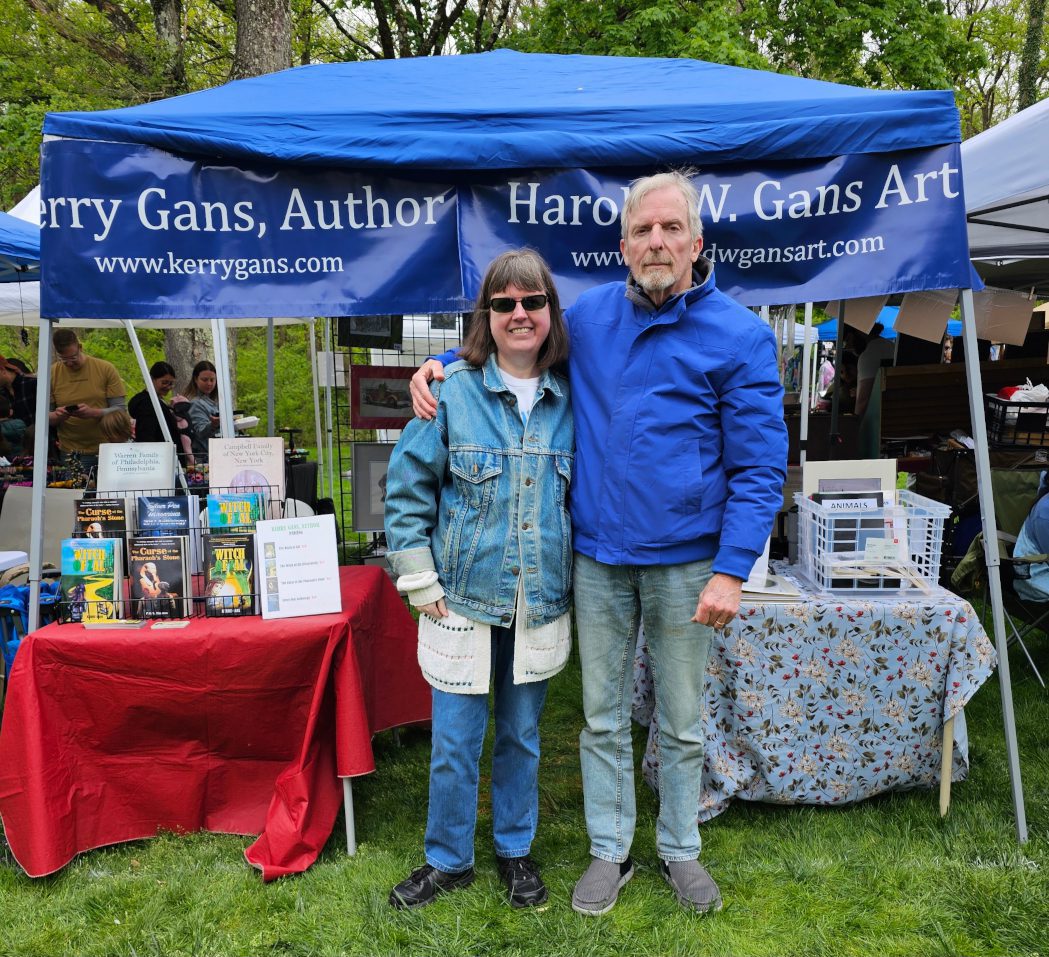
(895, 548)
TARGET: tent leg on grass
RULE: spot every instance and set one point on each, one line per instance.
(990, 547)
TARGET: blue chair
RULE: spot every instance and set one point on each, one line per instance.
(14, 622)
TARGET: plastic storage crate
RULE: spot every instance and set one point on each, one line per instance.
(1017, 423)
(894, 548)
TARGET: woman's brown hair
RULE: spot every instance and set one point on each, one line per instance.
(525, 269)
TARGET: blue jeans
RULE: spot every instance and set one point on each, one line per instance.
(459, 725)
(609, 603)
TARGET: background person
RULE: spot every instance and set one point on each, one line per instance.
(116, 427)
(203, 395)
(1031, 582)
(20, 390)
(480, 538)
(140, 408)
(83, 391)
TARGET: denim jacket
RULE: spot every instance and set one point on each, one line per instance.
(479, 497)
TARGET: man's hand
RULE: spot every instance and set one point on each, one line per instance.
(89, 412)
(423, 402)
(436, 609)
(719, 603)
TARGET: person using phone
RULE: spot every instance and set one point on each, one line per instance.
(84, 389)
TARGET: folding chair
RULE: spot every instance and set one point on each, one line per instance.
(1015, 492)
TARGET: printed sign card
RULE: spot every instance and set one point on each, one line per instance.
(297, 567)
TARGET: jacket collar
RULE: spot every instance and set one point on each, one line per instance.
(493, 380)
(702, 283)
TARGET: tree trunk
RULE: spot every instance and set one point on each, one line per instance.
(263, 37)
(167, 21)
(1027, 79)
(184, 348)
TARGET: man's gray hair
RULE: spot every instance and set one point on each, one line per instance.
(679, 179)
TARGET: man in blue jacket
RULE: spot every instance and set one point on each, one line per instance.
(679, 469)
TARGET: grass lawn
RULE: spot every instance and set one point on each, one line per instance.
(887, 876)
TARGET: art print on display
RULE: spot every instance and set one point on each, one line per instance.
(379, 397)
(370, 462)
(373, 332)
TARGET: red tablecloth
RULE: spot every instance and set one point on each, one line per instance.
(231, 725)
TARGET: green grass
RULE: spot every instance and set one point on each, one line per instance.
(886, 876)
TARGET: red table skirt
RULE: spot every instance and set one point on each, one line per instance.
(234, 725)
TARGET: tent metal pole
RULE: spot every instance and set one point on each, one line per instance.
(839, 363)
(270, 417)
(218, 335)
(806, 384)
(325, 481)
(329, 418)
(990, 550)
(40, 440)
(155, 399)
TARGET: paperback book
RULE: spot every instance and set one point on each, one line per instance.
(101, 518)
(136, 466)
(235, 511)
(161, 581)
(165, 515)
(248, 464)
(229, 568)
(92, 579)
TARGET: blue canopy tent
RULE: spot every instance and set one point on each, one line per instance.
(386, 186)
(19, 250)
(887, 317)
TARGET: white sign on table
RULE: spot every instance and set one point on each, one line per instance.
(297, 566)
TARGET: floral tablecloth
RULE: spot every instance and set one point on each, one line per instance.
(829, 700)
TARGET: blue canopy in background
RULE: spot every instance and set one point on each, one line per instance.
(887, 317)
(19, 250)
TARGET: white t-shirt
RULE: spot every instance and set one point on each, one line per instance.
(524, 389)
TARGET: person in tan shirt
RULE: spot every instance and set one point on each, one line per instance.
(84, 390)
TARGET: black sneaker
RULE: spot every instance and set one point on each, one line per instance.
(522, 880)
(421, 887)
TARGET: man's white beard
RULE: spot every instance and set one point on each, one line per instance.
(659, 281)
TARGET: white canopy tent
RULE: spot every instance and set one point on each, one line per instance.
(1007, 201)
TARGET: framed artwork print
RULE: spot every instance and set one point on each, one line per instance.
(370, 462)
(373, 332)
(379, 397)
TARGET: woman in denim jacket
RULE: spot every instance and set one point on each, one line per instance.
(479, 535)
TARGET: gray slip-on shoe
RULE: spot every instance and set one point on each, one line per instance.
(692, 885)
(597, 890)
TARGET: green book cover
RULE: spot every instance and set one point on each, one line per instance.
(89, 579)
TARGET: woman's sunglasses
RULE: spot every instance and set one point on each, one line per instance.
(507, 303)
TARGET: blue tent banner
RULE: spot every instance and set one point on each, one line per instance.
(143, 233)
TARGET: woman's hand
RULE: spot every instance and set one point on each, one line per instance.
(436, 609)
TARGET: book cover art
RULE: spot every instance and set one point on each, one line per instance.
(163, 515)
(90, 569)
(235, 511)
(159, 576)
(101, 518)
(248, 464)
(229, 568)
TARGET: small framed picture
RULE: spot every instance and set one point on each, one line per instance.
(445, 321)
(379, 397)
(370, 463)
(373, 332)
